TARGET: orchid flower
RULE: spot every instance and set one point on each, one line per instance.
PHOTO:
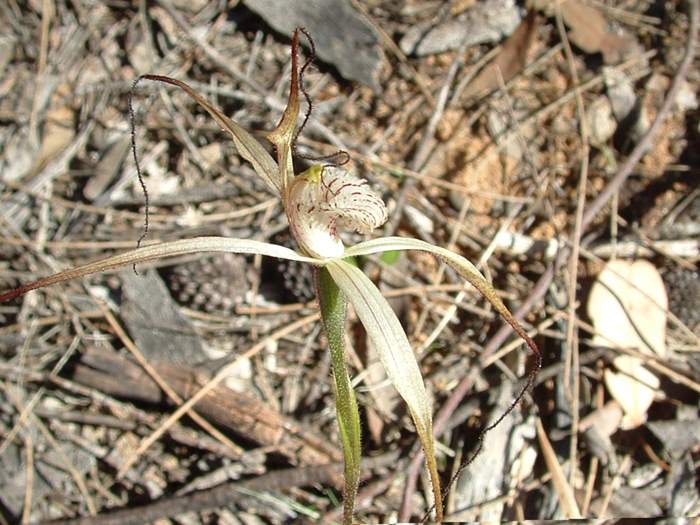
(319, 203)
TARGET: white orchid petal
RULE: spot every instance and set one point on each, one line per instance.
(324, 198)
(351, 200)
(167, 249)
(388, 336)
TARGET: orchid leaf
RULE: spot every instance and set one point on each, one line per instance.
(395, 353)
(164, 250)
(333, 307)
(248, 147)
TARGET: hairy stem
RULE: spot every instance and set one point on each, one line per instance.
(333, 308)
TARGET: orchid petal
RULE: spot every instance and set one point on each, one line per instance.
(394, 351)
(248, 147)
(167, 249)
(461, 265)
(322, 200)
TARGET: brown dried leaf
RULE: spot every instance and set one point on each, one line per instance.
(589, 31)
(58, 134)
(627, 305)
(509, 62)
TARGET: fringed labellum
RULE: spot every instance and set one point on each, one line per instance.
(325, 198)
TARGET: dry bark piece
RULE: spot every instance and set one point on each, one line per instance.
(485, 22)
(237, 412)
(344, 39)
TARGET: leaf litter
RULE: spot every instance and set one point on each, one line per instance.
(98, 401)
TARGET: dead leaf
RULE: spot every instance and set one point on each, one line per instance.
(605, 419)
(634, 387)
(589, 31)
(58, 134)
(509, 62)
(627, 305)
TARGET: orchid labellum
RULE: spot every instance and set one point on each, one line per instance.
(319, 203)
(323, 199)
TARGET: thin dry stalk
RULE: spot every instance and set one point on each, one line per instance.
(571, 357)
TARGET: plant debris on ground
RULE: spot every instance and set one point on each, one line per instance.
(554, 144)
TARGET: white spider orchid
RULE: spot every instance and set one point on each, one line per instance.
(318, 202)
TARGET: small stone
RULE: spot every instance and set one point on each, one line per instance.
(687, 99)
(486, 22)
(620, 92)
(343, 37)
(601, 122)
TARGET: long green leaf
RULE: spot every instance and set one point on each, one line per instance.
(333, 307)
(395, 353)
(167, 249)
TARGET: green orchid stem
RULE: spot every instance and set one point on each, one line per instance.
(333, 308)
